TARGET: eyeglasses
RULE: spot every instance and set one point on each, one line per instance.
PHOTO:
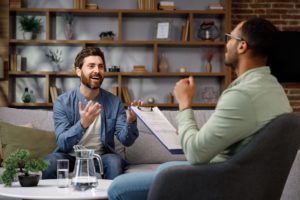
(229, 36)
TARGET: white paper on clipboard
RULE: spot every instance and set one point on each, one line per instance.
(160, 126)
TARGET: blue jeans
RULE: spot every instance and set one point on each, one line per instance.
(135, 186)
(113, 165)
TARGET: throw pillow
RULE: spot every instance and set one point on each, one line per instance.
(38, 142)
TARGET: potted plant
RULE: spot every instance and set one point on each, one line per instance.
(107, 35)
(19, 162)
(30, 25)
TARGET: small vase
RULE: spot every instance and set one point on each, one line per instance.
(26, 98)
(208, 67)
(163, 64)
(69, 32)
(27, 35)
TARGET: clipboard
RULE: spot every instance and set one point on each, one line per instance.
(160, 127)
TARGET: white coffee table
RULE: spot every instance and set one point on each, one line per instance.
(47, 189)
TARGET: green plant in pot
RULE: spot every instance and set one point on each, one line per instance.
(30, 25)
(19, 162)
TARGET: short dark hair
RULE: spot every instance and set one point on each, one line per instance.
(85, 52)
(259, 35)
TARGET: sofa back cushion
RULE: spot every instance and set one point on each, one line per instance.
(38, 142)
(40, 119)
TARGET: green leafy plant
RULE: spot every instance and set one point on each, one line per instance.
(55, 56)
(30, 23)
(106, 34)
(20, 162)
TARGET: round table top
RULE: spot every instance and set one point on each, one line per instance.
(47, 189)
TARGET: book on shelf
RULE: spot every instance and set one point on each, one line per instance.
(15, 3)
(146, 4)
(53, 93)
(167, 7)
(160, 127)
(216, 6)
(19, 62)
(185, 31)
(92, 6)
(126, 96)
(139, 68)
(82, 4)
(114, 90)
(79, 4)
(13, 62)
(166, 3)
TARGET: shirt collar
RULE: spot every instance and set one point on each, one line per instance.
(251, 72)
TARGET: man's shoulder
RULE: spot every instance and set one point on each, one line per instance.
(68, 98)
(108, 95)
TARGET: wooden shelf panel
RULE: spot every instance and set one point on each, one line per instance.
(172, 74)
(128, 74)
(116, 11)
(117, 42)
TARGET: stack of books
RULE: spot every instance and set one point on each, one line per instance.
(215, 6)
(147, 4)
(79, 4)
(15, 3)
(92, 6)
(139, 68)
(167, 5)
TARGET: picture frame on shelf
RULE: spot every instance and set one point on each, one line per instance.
(163, 30)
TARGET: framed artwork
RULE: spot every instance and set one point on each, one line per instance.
(163, 30)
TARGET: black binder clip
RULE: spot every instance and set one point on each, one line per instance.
(145, 109)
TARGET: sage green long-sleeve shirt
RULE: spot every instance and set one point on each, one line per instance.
(249, 103)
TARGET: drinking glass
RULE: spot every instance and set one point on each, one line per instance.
(62, 173)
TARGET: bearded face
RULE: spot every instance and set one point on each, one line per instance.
(92, 72)
(92, 80)
(231, 58)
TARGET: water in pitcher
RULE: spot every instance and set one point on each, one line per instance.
(84, 183)
(84, 171)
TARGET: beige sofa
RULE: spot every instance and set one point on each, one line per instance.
(144, 155)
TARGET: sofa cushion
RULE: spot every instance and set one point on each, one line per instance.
(147, 149)
(38, 142)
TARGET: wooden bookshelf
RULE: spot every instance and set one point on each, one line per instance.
(121, 17)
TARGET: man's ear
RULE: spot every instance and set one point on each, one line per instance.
(78, 71)
(242, 47)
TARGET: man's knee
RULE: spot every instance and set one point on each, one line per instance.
(134, 186)
(113, 165)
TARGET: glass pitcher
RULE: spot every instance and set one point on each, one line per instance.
(85, 176)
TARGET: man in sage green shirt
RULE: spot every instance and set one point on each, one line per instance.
(249, 103)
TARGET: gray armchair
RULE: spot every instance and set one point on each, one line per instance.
(258, 172)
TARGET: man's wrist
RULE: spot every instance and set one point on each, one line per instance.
(184, 108)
